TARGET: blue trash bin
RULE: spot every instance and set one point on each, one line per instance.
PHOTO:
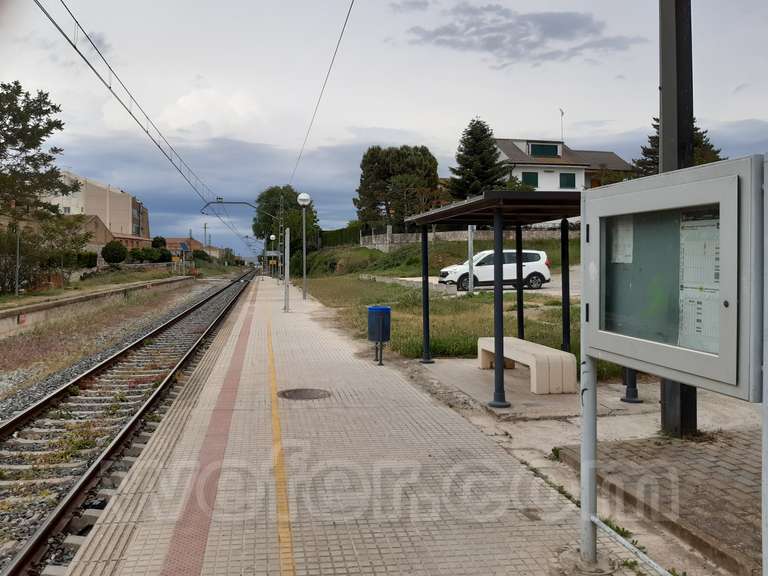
(379, 323)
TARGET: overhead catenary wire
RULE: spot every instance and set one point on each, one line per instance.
(146, 124)
(322, 91)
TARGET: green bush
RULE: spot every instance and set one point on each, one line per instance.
(114, 252)
(135, 254)
(201, 255)
(87, 260)
(349, 235)
(150, 255)
(164, 255)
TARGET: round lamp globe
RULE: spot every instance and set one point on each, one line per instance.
(304, 199)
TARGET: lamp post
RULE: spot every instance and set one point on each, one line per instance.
(272, 239)
(304, 200)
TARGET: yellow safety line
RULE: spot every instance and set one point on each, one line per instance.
(284, 533)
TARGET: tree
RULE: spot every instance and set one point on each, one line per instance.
(479, 165)
(114, 252)
(158, 242)
(63, 238)
(281, 202)
(516, 185)
(395, 183)
(704, 151)
(27, 171)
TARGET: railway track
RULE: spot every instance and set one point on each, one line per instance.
(53, 453)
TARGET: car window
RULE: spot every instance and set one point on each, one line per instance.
(487, 261)
(531, 257)
(510, 258)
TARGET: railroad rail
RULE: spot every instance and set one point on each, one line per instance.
(54, 452)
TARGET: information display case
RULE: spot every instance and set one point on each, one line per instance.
(673, 275)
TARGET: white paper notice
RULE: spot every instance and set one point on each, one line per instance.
(699, 327)
(622, 240)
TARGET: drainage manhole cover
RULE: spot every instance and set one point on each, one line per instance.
(304, 394)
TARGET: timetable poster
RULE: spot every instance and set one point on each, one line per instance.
(699, 320)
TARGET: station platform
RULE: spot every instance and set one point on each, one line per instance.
(373, 477)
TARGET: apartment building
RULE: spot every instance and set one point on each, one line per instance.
(123, 215)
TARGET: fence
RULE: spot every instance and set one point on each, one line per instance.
(389, 241)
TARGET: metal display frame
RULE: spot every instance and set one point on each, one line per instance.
(742, 223)
(736, 186)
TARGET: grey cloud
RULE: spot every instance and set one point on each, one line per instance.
(234, 169)
(738, 138)
(409, 5)
(509, 36)
(741, 87)
(100, 41)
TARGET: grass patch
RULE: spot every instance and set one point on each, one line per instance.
(456, 323)
(406, 261)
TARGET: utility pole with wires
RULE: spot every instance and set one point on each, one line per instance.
(205, 235)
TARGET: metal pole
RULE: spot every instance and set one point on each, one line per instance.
(471, 257)
(18, 256)
(304, 249)
(565, 263)
(765, 401)
(426, 357)
(678, 401)
(588, 418)
(499, 396)
(287, 269)
(519, 281)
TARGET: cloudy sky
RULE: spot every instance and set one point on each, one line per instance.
(232, 85)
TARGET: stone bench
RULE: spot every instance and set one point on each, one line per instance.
(552, 371)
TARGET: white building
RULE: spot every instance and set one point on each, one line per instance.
(552, 166)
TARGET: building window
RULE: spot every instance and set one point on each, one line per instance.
(567, 180)
(66, 209)
(548, 150)
(531, 178)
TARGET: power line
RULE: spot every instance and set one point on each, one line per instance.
(128, 102)
(322, 91)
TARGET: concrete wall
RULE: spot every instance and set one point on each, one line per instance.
(16, 320)
(389, 241)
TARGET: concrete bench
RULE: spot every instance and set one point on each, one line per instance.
(552, 371)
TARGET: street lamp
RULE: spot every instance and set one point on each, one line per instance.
(304, 201)
(272, 239)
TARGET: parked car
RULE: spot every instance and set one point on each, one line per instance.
(535, 270)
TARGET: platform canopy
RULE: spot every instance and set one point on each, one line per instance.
(502, 208)
(522, 208)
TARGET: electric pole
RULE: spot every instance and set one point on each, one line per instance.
(678, 401)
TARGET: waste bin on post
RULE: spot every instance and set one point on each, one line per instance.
(379, 324)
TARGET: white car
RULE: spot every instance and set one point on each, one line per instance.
(535, 270)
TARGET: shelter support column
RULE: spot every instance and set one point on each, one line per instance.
(519, 281)
(426, 357)
(499, 396)
(566, 284)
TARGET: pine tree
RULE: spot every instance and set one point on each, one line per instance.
(479, 165)
(704, 151)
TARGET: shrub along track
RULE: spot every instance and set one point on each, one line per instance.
(53, 453)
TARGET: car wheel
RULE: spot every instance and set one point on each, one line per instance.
(535, 281)
(463, 283)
